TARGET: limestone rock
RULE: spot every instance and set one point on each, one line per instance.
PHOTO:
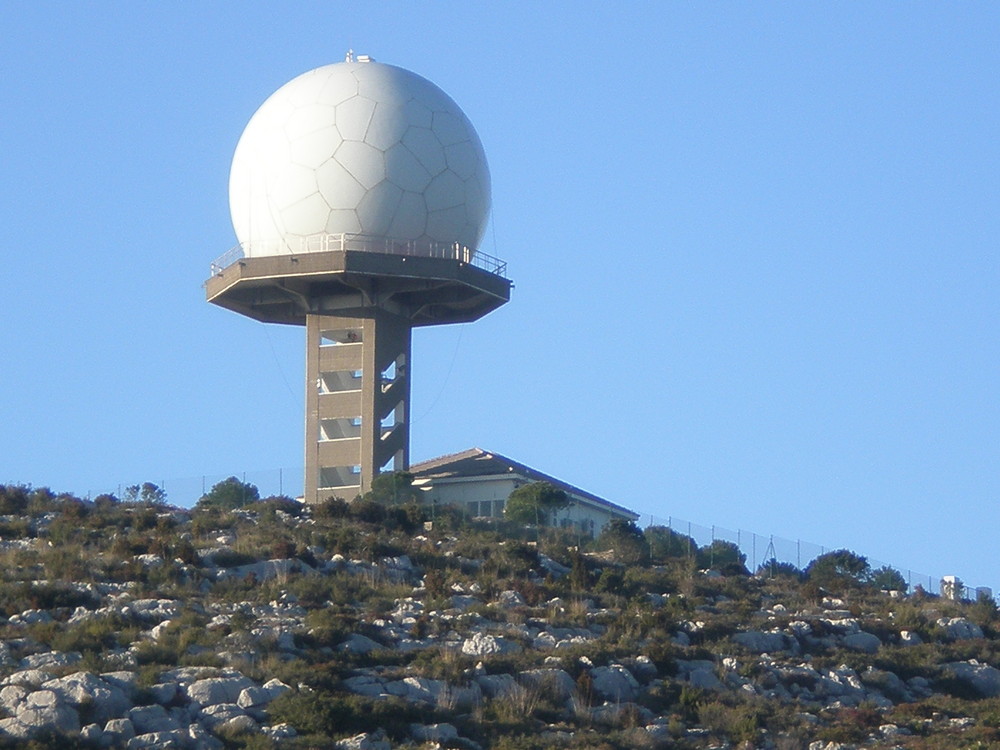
(106, 701)
(614, 683)
(45, 709)
(281, 731)
(366, 741)
(50, 659)
(215, 690)
(172, 739)
(216, 715)
(510, 599)
(555, 682)
(983, 678)
(493, 685)
(481, 644)
(959, 628)
(359, 644)
(119, 731)
(152, 720)
(433, 732)
(760, 643)
(861, 641)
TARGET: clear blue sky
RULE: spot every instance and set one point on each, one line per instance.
(754, 247)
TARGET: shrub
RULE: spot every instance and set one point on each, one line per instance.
(230, 558)
(666, 543)
(838, 570)
(229, 494)
(535, 503)
(626, 540)
(13, 499)
(330, 714)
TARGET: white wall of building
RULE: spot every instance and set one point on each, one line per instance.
(485, 496)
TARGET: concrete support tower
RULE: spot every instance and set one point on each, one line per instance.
(359, 192)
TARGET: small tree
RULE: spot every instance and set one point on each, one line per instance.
(146, 493)
(722, 555)
(228, 494)
(627, 541)
(839, 570)
(887, 579)
(665, 543)
(535, 503)
(391, 488)
(774, 569)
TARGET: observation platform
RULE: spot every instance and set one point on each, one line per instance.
(346, 275)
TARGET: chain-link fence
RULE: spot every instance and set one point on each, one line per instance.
(186, 491)
(761, 549)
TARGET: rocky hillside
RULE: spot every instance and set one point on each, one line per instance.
(360, 626)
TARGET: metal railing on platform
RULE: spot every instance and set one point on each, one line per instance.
(324, 243)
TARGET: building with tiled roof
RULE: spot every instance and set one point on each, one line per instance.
(479, 482)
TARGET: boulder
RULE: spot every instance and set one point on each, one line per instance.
(909, 638)
(254, 698)
(704, 678)
(172, 739)
(45, 710)
(614, 683)
(463, 602)
(277, 732)
(124, 681)
(441, 733)
(617, 714)
(215, 690)
(158, 631)
(366, 741)
(238, 725)
(164, 693)
(556, 682)
(481, 644)
(152, 720)
(105, 701)
(983, 678)
(50, 659)
(119, 731)
(12, 695)
(359, 644)
(759, 642)
(15, 729)
(200, 739)
(215, 716)
(153, 610)
(276, 687)
(496, 685)
(861, 641)
(959, 628)
(31, 617)
(91, 734)
(365, 684)
(511, 599)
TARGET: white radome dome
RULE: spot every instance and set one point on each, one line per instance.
(358, 148)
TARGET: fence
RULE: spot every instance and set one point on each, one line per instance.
(758, 548)
(762, 548)
(320, 243)
(186, 491)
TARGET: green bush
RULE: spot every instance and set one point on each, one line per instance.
(229, 494)
(331, 715)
